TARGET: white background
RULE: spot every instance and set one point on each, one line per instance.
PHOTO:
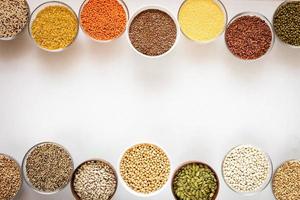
(197, 102)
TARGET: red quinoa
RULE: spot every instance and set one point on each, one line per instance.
(249, 37)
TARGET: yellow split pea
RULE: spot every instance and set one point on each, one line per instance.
(202, 20)
(55, 27)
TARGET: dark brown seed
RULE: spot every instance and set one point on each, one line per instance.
(249, 37)
(153, 32)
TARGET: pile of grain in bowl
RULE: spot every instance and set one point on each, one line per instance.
(249, 37)
(54, 27)
(287, 22)
(145, 168)
(202, 20)
(153, 32)
(14, 15)
(247, 169)
(48, 167)
(10, 177)
(195, 181)
(94, 180)
(103, 20)
(286, 181)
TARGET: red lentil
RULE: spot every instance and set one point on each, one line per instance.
(103, 19)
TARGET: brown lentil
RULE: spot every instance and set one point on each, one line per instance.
(48, 167)
(286, 181)
(10, 177)
(153, 32)
(94, 180)
(249, 37)
(55, 27)
(14, 15)
(145, 168)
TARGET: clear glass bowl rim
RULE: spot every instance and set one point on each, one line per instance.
(126, 9)
(37, 10)
(252, 14)
(265, 183)
(22, 30)
(282, 163)
(273, 19)
(25, 174)
(162, 9)
(225, 12)
(20, 171)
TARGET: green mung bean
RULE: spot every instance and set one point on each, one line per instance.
(195, 181)
(287, 23)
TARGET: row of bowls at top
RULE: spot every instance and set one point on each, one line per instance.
(129, 20)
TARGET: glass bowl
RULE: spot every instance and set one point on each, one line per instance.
(25, 173)
(155, 7)
(264, 184)
(252, 14)
(42, 7)
(283, 4)
(131, 191)
(223, 8)
(16, 162)
(28, 19)
(198, 163)
(91, 160)
(122, 3)
(293, 160)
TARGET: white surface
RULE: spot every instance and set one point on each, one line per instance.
(197, 103)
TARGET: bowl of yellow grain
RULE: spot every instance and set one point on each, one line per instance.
(202, 21)
(53, 26)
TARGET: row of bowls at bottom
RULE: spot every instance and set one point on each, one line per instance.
(144, 169)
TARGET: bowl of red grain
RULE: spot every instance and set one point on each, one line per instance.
(249, 36)
(103, 21)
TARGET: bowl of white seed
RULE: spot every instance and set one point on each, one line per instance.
(94, 180)
(247, 170)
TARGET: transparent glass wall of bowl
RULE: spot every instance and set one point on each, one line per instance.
(261, 0)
